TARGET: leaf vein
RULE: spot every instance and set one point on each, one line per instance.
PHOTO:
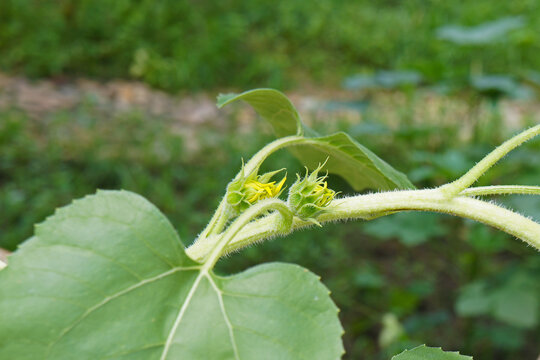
(272, 339)
(37, 296)
(93, 252)
(129, 226)
(278, 300)
(69, 276)
(180, 316)
(225, 316)
(114, 296)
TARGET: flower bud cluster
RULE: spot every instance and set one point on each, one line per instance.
(309, 196)
(247, 190)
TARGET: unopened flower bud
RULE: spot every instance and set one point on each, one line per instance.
(309, 196)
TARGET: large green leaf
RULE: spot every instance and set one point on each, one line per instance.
(423, 352)
(107, 277)
(354, 162)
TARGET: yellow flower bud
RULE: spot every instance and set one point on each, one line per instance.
(245, 191)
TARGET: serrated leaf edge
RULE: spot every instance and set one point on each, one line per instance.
(395, 357)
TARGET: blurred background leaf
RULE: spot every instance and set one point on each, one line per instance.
(485, 33)
(410, 228)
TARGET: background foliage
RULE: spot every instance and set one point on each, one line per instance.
(199, 44)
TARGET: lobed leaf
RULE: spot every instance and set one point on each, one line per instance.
(349, 159)
(107, 277)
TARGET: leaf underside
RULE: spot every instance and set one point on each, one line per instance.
(423, 352)
(355, 163)
(107, 277)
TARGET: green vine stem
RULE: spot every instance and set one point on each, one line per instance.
(455, 187)
(220, 217)
(218, 248)
(453, 198)
(362, 206)
(501, 190)
(256, 161)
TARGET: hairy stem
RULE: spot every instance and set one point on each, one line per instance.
(501, 190)
(364, 206)
(453, 198)
(257, 159)
(212, 225)
(455, 187)
(219, 220)
(216, 250)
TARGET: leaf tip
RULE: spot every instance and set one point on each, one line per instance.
(224, 99)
